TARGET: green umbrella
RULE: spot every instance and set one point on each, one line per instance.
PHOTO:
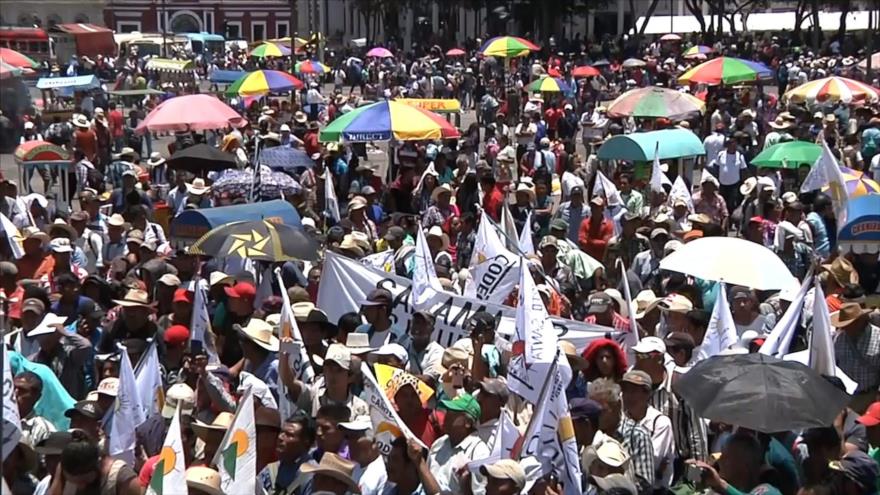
(788, 155)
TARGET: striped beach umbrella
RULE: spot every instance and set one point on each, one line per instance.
(17, 59)
(857, 184)
(386, 120)
(726, 70)
(548, 85)
(832, 89)
(270, 50)
(262, 82)
(311, 67)
(654, 102)
(507, 47)
(698, 51)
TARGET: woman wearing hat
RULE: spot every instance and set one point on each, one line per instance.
(441, 209)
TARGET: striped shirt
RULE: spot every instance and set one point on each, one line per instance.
(691, 437)
(637, 442)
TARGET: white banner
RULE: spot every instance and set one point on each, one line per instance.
(11, 419)
(345, 284)
(493, 268)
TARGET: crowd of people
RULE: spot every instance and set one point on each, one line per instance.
(90, 291)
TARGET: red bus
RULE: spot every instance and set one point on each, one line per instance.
(33, 42)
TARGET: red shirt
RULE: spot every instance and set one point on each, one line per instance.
(552, 116)
(310, 142)
(593, 238)
(117, 123)
(493, 201)
(425, 428)
(87, 141)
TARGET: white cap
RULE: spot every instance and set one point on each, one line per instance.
(284, 128)
(395, 350)
(360, 423)
(650, 344)
(109, 386)
(339, 354)
(308, 222)
(61, 245)
(179, 393)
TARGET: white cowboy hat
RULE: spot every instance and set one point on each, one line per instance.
(522, 187)
(197, 187)
(259, 332)
(436, 231)
(155, 159)
(80, 120)
(443, 188)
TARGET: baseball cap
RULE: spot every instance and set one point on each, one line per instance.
(584, 408)
(358, 424)
(558, 224)
(465, 403)
(425, 315)
(648, 345)
(740, 293)
(482, 320)
(183, 295)
(176, 335)
(506, 469)
(871, 416)
(170, 279)
(339, 354)
(637, 377)
(378, 297)
(548, 241)
(34, 305)
(395, 350)
(598, 201)
(87, 408)
(394, 233)
(680, 340)
(599, 302)
(860, 468)
(244, 290)
(496, 387)
(676, 303)
(54, 443)
(61, 245)
(179, 393)
(109, 386)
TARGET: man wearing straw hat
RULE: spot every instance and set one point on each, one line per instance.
(857, 349)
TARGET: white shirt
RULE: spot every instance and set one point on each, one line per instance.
(313, 97)
(714, 144)
(729, 166)
(92, 244)
(525, 134)
(663, 441)
(444, 460)
(371, 479)
(425, 362)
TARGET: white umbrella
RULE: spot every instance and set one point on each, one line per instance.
(730, 260)
(633, 62)
(670, 37)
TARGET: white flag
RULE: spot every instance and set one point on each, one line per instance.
(381, 261)
(656, 172)
(680, 191)
(264, 290)
(425, 282)
(826, 172)
(148, 378)
(502, 443)
(603, 187)
(169, 474)
(200, 323)
(13, 236)
(298, 356)
(331, 202)
(721, 333)
(387, 425)
(236, 458)
(493, 268)
(126, 415)
(526, 244)
(632, 338)
(11, 419)
(821, 346)
(779, 340)
(508, 227)
(534, 342)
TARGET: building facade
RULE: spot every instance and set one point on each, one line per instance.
(47, 13)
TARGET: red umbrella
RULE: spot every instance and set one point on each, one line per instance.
(16, 59)
(553, 72)
(191, 113)
(585, 71)
(455, 52)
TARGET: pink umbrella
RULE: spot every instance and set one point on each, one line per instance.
(455, 52)
(379, 52)
(191, 113)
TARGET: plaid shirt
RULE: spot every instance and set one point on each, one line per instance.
(859, 357)
(637, 442)
(715, 207)
(691, 437)
(464, 248)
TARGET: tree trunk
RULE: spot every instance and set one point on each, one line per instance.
(845, 6)
(695, 7)
(648, 14)
(817, 29)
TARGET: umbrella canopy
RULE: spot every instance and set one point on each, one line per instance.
(17, 59)
(311, 67)
(857, 184)
(601, 62)
(548, 84)
(654, 102)
(670, 37)
(237, 182)
(792, 154)
(455, 52)
(270, 50)
(262, 82)
(860, 233)
(257, 240)
(832, 89)
(285, 158)
(697, 50)
(41, 152)
(507, 47)
(200, 158)
(875, 62)
(731, 260)
(725, 70)
(761, 393)
(379, 52)
(385, 120)
(585, 71)
(632, 63)
(7, 70)
(191, 112)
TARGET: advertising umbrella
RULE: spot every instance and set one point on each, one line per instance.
(584, 71)
(761, 393)
(731, 260)
(792, 154)
(385, 120)
(654, 102)
(285, 158)
(239, 182)
(201, 158)
(857, 184)
(833, 89)
(455, 52)
(507, 47)
(698, 51)
(311, 67)
(191, 113)
(379, 52)
(17, 59)
(257, 240)
(549, 85)
(262, 82)
(726, 70)
(270, 50)
(632, 63)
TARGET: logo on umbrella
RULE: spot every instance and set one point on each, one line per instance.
(249, 245)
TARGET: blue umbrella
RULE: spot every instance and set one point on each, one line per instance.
(286, 159)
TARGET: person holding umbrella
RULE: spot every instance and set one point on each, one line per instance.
(739, 468)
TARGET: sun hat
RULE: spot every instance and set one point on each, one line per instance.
(219, 277)
(842, 270)
(333, 466)
(496, 387)
(116, 220)
(155, 159)
(80, 120)
(358, 343)
(506, 469)
(465, 403)
(135, 298)
(197, 187)
(221, 423)
(610, 452)
(748, 186)
(576, 361)
(437, 231)
(259, 332)
(441, 189)
(170, 280)
(848, 314)
(204, 479)
(357, 203)
(179, 394)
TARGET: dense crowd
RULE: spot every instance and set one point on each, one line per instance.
(100, 291)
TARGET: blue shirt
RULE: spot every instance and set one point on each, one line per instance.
(71, 311)
(821, 241)
(268, 372)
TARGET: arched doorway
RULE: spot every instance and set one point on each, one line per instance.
(185, 22)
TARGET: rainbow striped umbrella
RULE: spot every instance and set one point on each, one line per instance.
(263, 82)
(311, 67)
(698, 51)
(654, 102)
(726, 70)
(16, 59)
(857, 184)
(507, 46)
(833, 89)
(386, 120)
(270, 50)
(548, 85)
(380, 52)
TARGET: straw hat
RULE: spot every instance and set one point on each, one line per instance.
(155, 159)
(203, 479)
(80, 120)
(442, 188)
(436, 231)
(848, 314)
(335, 467)
(135, 298)
(576, 361)
(843, 271)
(300, 117)
(197, 187)
(748, 186)
(220, 424)
(780, 123)
(259, 332)
(526, 189)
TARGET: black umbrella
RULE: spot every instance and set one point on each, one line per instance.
(259, 240)
(761, 393)
(201, 157)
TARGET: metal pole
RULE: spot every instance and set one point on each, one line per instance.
(164, 49)
(293, 31)
(670, 16)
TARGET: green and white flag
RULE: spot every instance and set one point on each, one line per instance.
(236, 458)
(169, 474)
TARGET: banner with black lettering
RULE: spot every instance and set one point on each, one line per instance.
(494, 269)
(345, 284)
